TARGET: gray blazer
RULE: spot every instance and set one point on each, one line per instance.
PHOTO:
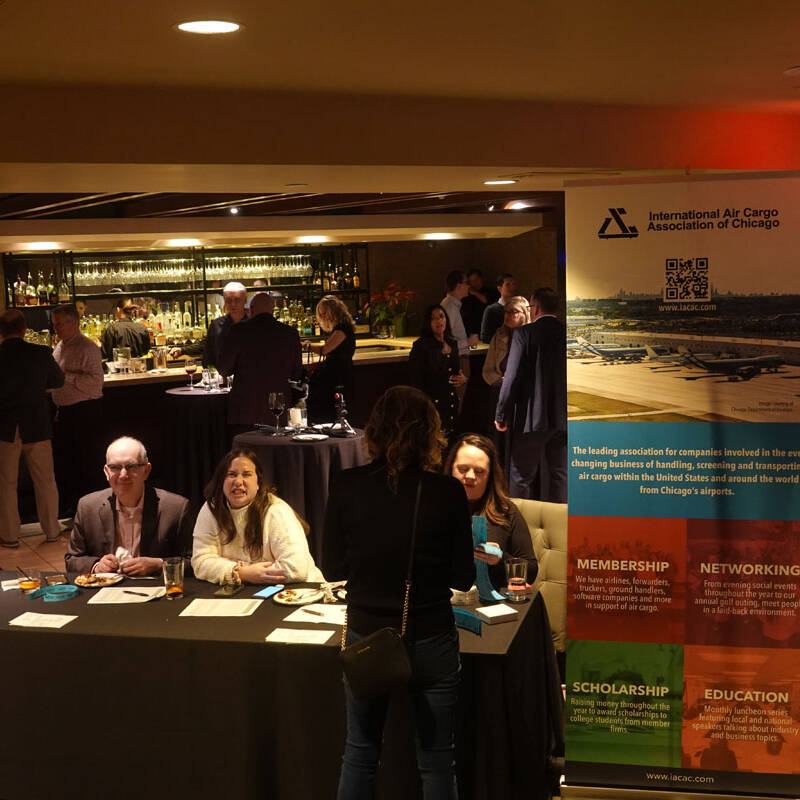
(166, 528)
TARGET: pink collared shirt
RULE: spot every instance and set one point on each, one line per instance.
(129, 527)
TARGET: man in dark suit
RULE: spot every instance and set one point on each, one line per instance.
(147, 524)
(494, 312)
(27, 371)
(262, 354)
(533, 400)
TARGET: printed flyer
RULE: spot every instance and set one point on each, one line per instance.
(684, 486)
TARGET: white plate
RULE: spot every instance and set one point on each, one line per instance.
(298, 597)
(323, 426)
(310, 437)
(105, 579)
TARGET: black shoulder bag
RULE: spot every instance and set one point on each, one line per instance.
(379, 662)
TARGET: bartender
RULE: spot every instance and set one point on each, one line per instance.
(125, 332)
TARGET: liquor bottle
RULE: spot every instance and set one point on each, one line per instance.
(19, 291)
(52, 294)
(41, 289)
(187, 315)
(326, 280)
(356, 277)
(316, 327)
(161, 337)
(31, 298)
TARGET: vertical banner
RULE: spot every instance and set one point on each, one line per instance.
(683, 621)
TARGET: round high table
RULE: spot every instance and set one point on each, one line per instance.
(301, 472)
(198, 433)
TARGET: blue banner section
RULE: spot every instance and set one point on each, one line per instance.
(684, 470)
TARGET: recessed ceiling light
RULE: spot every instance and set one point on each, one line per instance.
(499, 182)
(233, 210)
(312, 239)
(208, 26)
(792, 72)
(40, 246)
(183, 243)
(436, 236)
(516, 205)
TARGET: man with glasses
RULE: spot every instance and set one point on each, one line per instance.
(147, 524)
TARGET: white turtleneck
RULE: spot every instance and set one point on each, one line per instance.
(284, 543)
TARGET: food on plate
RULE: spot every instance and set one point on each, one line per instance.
(98, 579)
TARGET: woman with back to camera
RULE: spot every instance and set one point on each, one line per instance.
(473, 461)
(368, 525)
(435, 367)
(245, 533)
(515, 313)
(336, 369)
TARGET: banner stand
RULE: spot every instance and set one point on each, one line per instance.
(613, 793)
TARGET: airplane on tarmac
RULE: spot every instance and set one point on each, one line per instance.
(734, 369)
(613, 353)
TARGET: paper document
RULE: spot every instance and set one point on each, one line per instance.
(221, 608)
(115, 594)
(295, 636)
(30, 619)
(12, 584)
(318, 612)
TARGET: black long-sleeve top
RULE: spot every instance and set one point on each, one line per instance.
(515, 541)
(366, 542)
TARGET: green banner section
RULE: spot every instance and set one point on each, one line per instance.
(624, 703)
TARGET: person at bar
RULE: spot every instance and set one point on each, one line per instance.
(28, 371)
(335, 372)
(457, 289)
(533, 403)
(245, 533)
(264, 355)
(473, 461)
(79, 407)
(368, 524)
(125, 332)
(435, 367)
(234, 296)
(148, 524)
(493, 315)
(474, 304)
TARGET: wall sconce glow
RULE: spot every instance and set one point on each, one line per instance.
(312, 239)
(208, 26)
(499, 182)
(437, 236)
(516, 205)
(40, 246)
(183, 243)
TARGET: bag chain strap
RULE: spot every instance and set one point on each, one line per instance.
(407, 599)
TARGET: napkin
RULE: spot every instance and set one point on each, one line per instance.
(122, 554)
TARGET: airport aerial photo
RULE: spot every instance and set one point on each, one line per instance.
(640, 358)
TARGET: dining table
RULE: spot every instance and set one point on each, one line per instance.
(137, 700)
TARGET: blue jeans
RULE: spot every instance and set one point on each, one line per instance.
(434, 685)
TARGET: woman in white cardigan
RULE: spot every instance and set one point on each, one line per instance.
(246, 534)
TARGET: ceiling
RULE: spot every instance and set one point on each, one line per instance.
(713, 54)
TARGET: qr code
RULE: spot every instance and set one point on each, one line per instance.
(686, 279)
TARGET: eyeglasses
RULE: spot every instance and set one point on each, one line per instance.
(131, 468)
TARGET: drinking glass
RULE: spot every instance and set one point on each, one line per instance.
(190, 365)
(276, 404)
(516, 575)
(31, 581)
(173, 577)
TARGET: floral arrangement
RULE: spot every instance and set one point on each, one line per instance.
(389, 304)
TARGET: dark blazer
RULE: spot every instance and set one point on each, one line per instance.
(366, 541)
(166, 528)
(492, 320)
(27, 371)
(533, 396)
(218, 330)
(430, 371)
(263, 354)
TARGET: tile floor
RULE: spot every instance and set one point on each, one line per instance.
(33, 551)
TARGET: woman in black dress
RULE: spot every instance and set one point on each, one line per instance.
(368, 525)
(473, 461)
(334, 373)
(435, 367)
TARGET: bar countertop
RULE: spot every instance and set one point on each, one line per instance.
(368, 351)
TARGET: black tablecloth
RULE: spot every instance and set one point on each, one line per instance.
(301, 472)
(133, 701)
(197, 429)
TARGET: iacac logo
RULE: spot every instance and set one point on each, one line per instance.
(625, 231)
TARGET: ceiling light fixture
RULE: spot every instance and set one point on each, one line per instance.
(312, 239)
(438, 236)
(208, 26)
(40, 246)
(233, 210)
(184, 243)
(516, 205)
(499, 182)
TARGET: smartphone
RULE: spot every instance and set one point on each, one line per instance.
(229, 589)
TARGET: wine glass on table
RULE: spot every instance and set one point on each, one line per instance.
(277, 403)
(190, 365)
